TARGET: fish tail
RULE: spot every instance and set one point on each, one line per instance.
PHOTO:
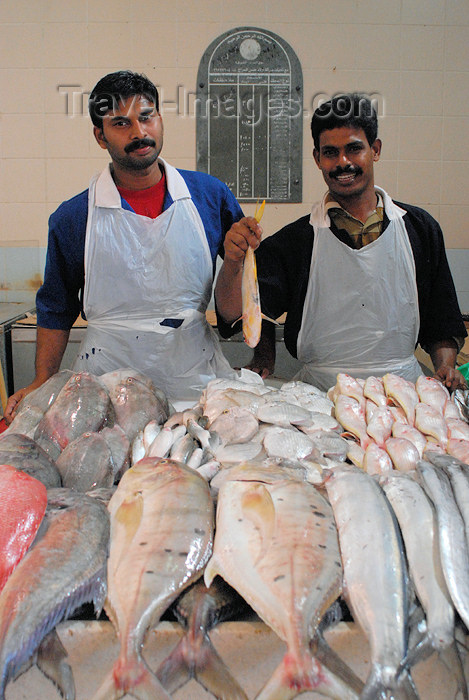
(134, 677)
(202, 663)
(401, 686)
(295, 676)
(452, 660)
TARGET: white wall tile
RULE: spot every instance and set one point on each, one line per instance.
(416, 62)
(422, 47)
(423, 11)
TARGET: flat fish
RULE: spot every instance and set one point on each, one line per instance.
(23, 502)
(135, 405)
(235, 425)
(25, 454)
(252, 314)
(374, 574)
(86, 463)
(82, 405)
(276, 544)
(65, 569)
(161, 539)
(32, 407)
(199, 609)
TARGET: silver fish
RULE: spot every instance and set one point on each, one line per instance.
(32, 407)
(374, 574)
(82, 405)
(451, 531)
(198, 610)
(135, 405)
(25, 454)
(86, 463)
(65, 568)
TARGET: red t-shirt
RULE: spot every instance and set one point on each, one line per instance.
(147, 202)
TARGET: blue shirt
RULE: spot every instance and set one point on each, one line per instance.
(59, 299)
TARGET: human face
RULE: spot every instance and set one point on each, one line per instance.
(132, 133)
(346, 161)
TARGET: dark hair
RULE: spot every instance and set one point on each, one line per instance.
(348, 109)
(116, 87)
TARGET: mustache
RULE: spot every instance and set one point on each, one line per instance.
(141, 143)
(349, 169)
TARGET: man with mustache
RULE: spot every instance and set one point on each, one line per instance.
(136, 252)
(362, 279)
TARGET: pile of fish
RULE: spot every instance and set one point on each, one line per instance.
(276, 501)
(396, 423)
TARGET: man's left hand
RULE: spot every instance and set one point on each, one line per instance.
(451, 378)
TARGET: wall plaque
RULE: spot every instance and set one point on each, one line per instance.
(250, 115)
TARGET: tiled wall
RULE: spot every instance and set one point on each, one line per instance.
(412, 52)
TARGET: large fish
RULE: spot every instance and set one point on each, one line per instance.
(135, 405)
(23, 503)
(32, 407)
(24, 453)
(451, 532)
(276, 544)
(417, 521)
(86, 463)
(374, 575)
(198, 610)
(161, 538)
(65, 568)
(82, 405)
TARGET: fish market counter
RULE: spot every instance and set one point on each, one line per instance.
(250, 650)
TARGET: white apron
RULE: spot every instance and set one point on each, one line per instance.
(147, 286)
(361, 313)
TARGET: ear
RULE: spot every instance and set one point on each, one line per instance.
(376, 148)
(316, 157)
(99, 136)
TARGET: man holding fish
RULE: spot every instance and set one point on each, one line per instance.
(145, 237)
(363, 279)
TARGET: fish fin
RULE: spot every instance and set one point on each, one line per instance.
(258, 507)
(174, 671)
(204, 665)
(212, 673)
(267, 318)
(401, 686)
(51, 661)
(241, 318)
(211, 570)
(292, 678)
(451, 659)
(329, 658)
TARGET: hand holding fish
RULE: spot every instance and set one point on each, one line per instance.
(243, 234)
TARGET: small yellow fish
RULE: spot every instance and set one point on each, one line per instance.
(252, 316)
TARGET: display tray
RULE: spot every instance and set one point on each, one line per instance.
(250, 650)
